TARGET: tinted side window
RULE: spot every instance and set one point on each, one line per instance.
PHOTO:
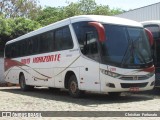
(20, 48)
(41, 43)
(8, 51)
(46, 42)
(30, 46)
(91, 44)
(13, 50)
(35, 40)
(24, 48)
(63, 39)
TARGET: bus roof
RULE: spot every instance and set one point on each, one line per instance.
(106, 19)
(99, 18)
(151, 22)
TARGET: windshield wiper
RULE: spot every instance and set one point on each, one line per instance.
(127, 54)
(135, 54)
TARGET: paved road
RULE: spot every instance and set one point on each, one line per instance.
(42, 99)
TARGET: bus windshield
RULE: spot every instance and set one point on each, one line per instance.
(126, 47)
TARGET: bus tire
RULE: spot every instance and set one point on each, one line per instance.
(23, 85)
(114, 94)
(73, 87)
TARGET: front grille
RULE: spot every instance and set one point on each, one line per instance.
(126, 78)
(142, 77)
(129, 85)
(136, 77)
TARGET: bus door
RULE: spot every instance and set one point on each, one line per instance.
(89, 73)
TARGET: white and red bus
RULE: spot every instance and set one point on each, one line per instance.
(83, 53)
(154, 27)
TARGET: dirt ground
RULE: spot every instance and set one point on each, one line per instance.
(42, 99)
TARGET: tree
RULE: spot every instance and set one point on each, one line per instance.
(72, 9)
(49, 15)
(5, 29)
(87, 6)
(82, 7)
(116, 11)
(12, 28)
(23, 26)
(102, 10)
(19, 8)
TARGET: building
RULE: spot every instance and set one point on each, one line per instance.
(150, 12)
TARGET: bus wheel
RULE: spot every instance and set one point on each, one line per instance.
(22, 83)
(114, 94)
(73, 87)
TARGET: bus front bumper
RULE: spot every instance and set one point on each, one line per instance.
(110, 84)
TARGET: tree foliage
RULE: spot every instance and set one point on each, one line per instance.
(50, 15)
(12, 28)
(87, 6)
(82, 7)
(19, 8)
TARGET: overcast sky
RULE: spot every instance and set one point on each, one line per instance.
(123, 4)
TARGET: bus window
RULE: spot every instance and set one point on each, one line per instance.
(45, 44)
(20, 47)
(35, 40)
(8, 51)
(63, 39)
(24, 48)
(13, 50)
(87, 38)
(155, 30)
(30, 46)
(90, 48)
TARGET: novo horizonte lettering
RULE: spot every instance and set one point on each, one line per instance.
(49, 58)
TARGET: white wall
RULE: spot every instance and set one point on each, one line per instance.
(1, 70)
(151, 12)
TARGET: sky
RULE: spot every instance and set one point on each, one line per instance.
(122, 4)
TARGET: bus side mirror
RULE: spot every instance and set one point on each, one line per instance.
(150, 36)
(100, 29)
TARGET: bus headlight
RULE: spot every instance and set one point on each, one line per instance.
(109, 73)
(150, 74)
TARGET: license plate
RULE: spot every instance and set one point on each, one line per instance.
(134, 89)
